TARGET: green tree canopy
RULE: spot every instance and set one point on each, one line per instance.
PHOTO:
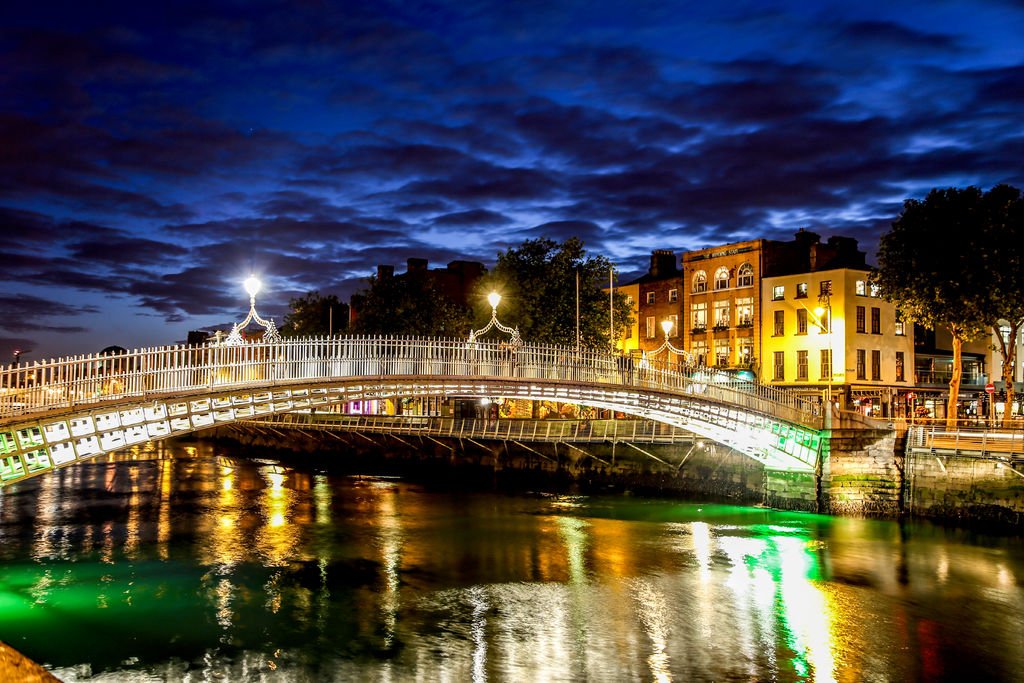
(537, 281)
(939, 262)
(314, 315)
(407, 304)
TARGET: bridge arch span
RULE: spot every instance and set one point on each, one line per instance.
(77, 413)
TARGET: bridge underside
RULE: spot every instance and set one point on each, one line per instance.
(63, 437)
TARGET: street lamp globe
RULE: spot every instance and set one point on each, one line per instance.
(252, 286)
(666, 325)
(494, 299)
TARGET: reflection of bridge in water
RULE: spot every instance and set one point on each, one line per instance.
(54, 413)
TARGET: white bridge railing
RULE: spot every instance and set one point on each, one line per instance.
(83, 381)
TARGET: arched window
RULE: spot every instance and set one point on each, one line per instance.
(722, 278)
(745, 278)
(700, 282)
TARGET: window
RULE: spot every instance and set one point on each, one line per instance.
(699, 316)
(722, 278)
(745, 276)
(825, 371)
(629, 332)
(778, 293)
(801, 365)
(861, 288)
(861, 327)
(722, 352)
(825, 288)
(673, 296)
(721, 314)
(650, 297)
(674, 330)
(876, 365)
(700, 351)
(746, 346)
(900, 329)
(745, 312)
(700, 282)
(862, 372)
(876, 320)
(801, 290)
(780, 324)
(801, 321)
(899, 367)
(780, 365)
(873, 290)
(650, 327)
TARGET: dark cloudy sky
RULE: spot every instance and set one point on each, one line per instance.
(152, 154)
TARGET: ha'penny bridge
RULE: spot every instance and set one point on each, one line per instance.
(56, 413)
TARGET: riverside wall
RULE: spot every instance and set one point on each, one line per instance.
(863, 472)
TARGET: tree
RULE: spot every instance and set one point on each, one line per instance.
(932, 264)
(1003, 258)
(537, 281)
(407, 304)
(314, 315)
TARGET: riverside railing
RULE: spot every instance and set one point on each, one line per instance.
(94, 379)
(961, 439)
(502, 429)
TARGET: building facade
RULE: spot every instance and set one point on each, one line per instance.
(828, 332)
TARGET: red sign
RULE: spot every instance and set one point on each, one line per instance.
(990, 388)
(910, 395)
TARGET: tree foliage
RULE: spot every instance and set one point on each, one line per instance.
(537, 281)
(407, 304)
(943, 264)
(314, 315)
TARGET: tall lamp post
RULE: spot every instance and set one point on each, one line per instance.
(824, 309)
(252, 287)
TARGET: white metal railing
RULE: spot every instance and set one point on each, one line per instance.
(938, 437)
(93, 379)
(504, 429)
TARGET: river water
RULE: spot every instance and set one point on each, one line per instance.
(188, 563)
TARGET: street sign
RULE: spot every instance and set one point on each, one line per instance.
(990, 388)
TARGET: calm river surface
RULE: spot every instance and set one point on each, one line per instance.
(190, 564)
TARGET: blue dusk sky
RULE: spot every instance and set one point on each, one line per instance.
(153, 154)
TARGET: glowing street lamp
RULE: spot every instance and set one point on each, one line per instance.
(666, 327)
(253, 286)
(494, 299)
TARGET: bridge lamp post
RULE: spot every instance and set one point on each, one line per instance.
(253, 286)
(825, 309)
(494, 299)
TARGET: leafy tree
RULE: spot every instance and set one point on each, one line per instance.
(933, 265)
(407, 304)
(1003, 258)
(537, 281)
(314, 315)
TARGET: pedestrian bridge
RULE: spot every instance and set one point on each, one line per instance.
(55, 413)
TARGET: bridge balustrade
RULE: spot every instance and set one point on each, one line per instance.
(173, 370)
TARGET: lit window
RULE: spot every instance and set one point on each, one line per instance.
(700, 351)
(722, 352)
(721, 314)
(700, 282)
(778, 293)
(825, 287)
(861, 288)
(873, 289)
(674, 331)
(745, 312)
(699, 316)
(899, 367)
(722, 278)
(780, 323)
(900, 329)
(801, 290)
(745, 276)
(650, 327)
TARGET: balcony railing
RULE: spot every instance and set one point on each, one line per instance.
(698, 329)
(721, 325)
